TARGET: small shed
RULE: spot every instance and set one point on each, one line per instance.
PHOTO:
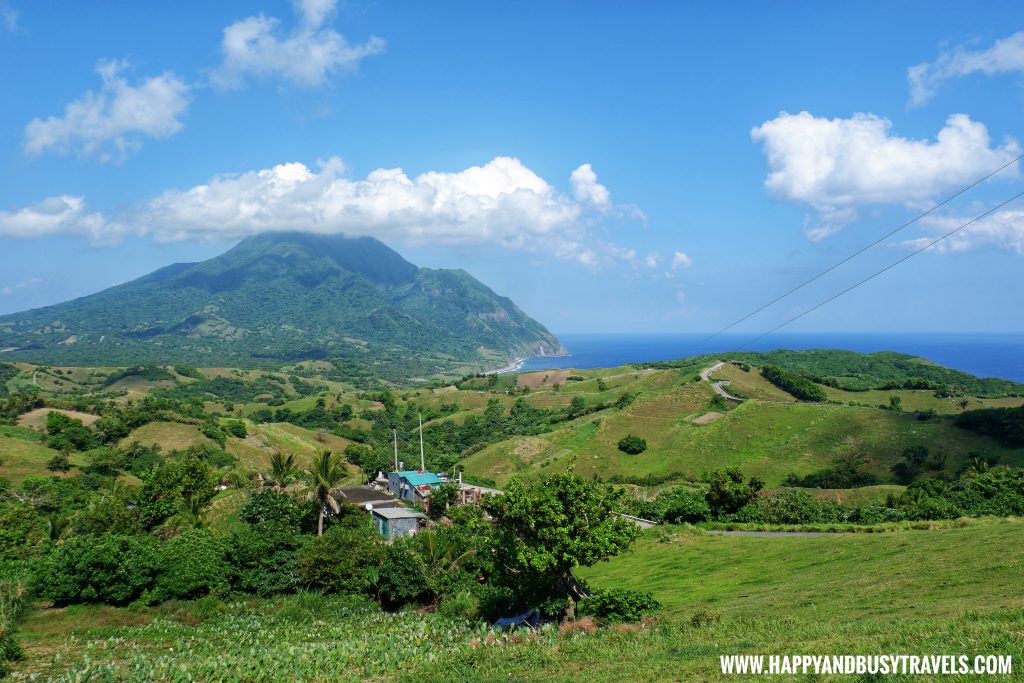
(395, 522)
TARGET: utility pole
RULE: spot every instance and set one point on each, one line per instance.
(423, 467)
(394, 433)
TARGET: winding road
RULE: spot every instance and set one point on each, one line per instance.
(718, 386)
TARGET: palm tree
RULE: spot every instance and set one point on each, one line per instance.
(57, 526)
(326, 475)
(282, 469)
(192, 512)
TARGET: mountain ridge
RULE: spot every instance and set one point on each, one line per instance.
(282, 297)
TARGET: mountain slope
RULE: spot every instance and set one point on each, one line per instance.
(281, 297)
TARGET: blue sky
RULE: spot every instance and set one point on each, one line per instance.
(655, 167)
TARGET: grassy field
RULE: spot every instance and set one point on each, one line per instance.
(766, 439)
(170, 435)
(22, 454)
(37, 418)
(829, 578)
(944, 591)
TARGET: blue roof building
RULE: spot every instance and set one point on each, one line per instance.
(413, 485)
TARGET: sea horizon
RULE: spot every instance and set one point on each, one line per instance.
(983, 354)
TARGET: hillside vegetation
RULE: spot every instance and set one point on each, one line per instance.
(498, 427)
(854, 371)
(279, 298)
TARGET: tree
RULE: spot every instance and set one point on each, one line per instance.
(282, 469)
(341, 560)
(441, 497)
(326, 475)
(60, 462)
(896, 402)
(632, 444)
(963, 403)
(164, 487)
(545, 528)
(727, 492)
(576, 407)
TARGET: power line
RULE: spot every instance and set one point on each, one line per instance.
(888, 267)
(858, 253)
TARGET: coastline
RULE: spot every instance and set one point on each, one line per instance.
(517, 363)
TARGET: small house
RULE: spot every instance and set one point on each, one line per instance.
(395, 522)
(413, 485)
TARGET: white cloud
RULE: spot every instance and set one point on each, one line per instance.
(111, 123)
(24, 284)
(306, 56)
(500, 203)
(57, 215)
(652, 260)
(680, 296)
(1002, 230)
(837, 165)
(586, 189)
(1005, 55)
(681, 260)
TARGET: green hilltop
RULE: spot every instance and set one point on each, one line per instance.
(282, 297)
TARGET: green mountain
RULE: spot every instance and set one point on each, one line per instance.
(277, 298)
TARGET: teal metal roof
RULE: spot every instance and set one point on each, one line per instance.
(420, 478)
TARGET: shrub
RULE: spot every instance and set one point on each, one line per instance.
(727, 492)
(793, 506)
(59, 463)
(164, 487)
(276, 508)
(462, 605)
(619, 606)
(20, 528)
(403, 575)
(340, 560)
(191, 565)
(236, 428)
(796, 385)
(677, 506)
(109, 568)
(263, 559)
(633, 445)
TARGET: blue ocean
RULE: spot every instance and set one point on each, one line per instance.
(983, 355)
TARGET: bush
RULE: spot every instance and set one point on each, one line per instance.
(676, 506)
(263, 559)
(236, 428)
(462, 605)
(796, 385)
(727, 492)
(340, 560)
(403, 576)
(109, 568)
(191, 565)
(633, 445)
(59, 463)
(277, 508)
(793, 506)
(619, 606)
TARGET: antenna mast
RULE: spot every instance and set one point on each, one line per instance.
(394, 433)
(423, 467)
